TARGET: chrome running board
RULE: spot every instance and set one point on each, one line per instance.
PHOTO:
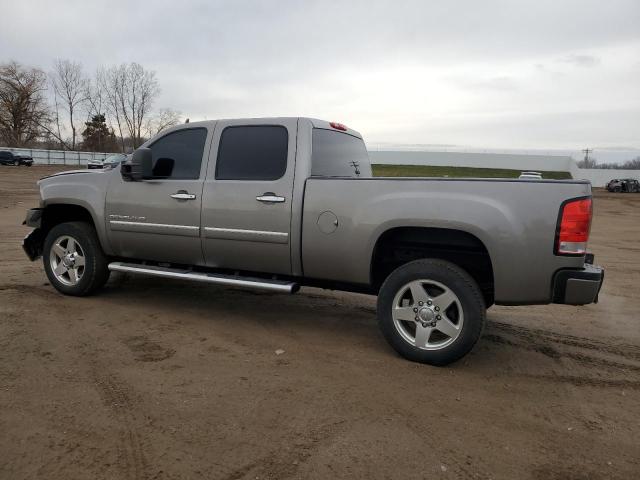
(281, 286)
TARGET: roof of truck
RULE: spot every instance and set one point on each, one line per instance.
(315, 122)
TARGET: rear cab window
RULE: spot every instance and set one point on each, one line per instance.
(338, 154)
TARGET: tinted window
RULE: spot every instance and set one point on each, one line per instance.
(256, 152)
(185, 148)
(5, 154)
(336, 154)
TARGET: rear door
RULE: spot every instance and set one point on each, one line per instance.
(246, 209)
(160, 219)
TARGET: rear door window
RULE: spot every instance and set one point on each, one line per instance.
(252, 152)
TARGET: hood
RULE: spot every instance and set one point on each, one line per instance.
(75, 172)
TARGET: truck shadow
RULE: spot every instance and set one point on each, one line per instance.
(351, 319)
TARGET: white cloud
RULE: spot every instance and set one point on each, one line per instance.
(536, 73)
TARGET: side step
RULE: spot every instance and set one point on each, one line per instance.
(281, 286)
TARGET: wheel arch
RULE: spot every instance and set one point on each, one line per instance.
(400, 245)
(57, 212)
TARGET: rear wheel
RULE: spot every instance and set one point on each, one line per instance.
(73, 259)
(431, 311)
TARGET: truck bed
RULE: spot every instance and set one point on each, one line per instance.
(515, 220)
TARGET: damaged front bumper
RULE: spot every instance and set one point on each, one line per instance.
(32, 243)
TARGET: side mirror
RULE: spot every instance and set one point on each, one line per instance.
(139, 167)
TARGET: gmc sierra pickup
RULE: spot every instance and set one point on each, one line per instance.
(279, 203)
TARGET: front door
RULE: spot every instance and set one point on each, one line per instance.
(159, 219)
(246, 209)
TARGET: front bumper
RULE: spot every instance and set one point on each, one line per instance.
(32, 243)
(578, 287)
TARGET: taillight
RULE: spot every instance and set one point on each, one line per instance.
(338, 126)
(573, 227)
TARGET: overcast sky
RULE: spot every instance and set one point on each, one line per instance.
(512, 74)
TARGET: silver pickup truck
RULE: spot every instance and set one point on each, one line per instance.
(279, 203)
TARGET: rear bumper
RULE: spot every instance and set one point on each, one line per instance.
(578, 287)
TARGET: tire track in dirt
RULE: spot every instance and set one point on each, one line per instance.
(538, 340)
(626, 351)
(131, 453)
(281, 465)
(579, 381)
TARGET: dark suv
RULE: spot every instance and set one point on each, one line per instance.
(10, 158)
(627, 185)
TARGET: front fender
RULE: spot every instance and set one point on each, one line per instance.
(86, 190)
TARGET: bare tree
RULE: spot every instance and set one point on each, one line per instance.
(96, 97)
(70, 85)
(632, 164)
(24, 114)
(96, 106)
(164, 119)
(140, 88)
(130, 91)
(108, 82)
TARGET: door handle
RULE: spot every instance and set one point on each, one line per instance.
(270, 197)
(183, 195)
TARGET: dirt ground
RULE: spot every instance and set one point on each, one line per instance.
(156, 379)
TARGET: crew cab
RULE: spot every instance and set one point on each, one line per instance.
(280, 203)
(10, 158)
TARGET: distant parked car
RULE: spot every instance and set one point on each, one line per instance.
(10, 158)
(624, 185)
(531, 175)
(110, 162)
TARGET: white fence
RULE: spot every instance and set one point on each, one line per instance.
(475, 160)
(561, 163)
(600, 176)
(57, 157)
(522, 162)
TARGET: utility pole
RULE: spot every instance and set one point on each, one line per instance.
(587, 151)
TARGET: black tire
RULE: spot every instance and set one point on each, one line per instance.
(455, 279)
(16, 163)
(95, 273)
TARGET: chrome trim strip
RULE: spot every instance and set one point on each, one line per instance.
(159, 228)
(246, 235)
(228, 280)
(145, 224)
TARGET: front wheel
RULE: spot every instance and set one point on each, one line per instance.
(73, 259)
(431, 311)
